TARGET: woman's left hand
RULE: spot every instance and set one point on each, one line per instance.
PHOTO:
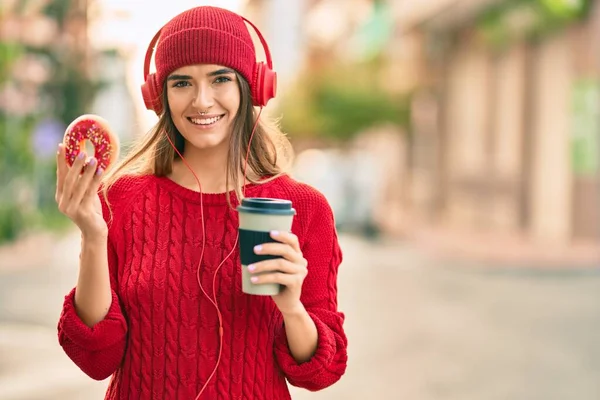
(289, 271)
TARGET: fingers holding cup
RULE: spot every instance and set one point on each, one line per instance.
(286, 237)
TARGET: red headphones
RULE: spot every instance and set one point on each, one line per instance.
(264, 86)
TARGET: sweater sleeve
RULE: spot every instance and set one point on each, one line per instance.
(319, 296)
(99, 350)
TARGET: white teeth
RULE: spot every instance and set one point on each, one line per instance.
(205, 121)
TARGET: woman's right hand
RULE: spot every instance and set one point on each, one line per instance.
(77, 193)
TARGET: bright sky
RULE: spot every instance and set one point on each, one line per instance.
(131, 24)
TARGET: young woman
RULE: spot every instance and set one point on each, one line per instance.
(158, 304)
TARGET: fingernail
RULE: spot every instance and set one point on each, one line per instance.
(274, 233)
(99, 171)
(254, 279)
(81, 156)
(93, 162)
(258, 248)
(251, 267)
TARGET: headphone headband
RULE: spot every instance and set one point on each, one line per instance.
(149, 53)
(150, 50)
(263, 42)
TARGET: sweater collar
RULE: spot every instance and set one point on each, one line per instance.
(207, 198)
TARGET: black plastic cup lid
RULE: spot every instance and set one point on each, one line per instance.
(263, 205)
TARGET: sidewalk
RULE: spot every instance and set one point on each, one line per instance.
(481, 249)
(35, 274)
(34, 367)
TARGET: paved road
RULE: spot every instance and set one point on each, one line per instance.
(418, 329)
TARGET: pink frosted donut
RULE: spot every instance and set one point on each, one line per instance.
(97, 131)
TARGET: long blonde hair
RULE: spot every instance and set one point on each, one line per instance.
(271, 153)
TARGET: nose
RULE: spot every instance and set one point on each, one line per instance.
(203, 98)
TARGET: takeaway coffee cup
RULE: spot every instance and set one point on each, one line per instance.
(258, 217)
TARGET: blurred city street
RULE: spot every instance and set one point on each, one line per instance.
(418, 328)
(456, 141)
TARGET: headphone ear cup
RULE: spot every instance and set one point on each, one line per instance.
(265, 85)
(151, 94)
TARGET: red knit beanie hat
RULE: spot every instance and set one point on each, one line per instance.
(205, 35)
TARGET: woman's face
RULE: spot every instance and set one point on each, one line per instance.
(209, 88)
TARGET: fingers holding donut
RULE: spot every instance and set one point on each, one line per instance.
(85, 182)
(73, 178)
(78, 177)
(93, 180)
(77, 193)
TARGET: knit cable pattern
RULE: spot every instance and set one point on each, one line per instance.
(160, 337)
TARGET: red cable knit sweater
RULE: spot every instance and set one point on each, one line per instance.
(159, 339)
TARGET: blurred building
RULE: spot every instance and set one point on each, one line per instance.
(505, 104)
(505, 115)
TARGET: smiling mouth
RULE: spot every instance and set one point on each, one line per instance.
(205, 121)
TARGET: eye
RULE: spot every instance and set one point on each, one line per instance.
(222, 79)
(180, 84)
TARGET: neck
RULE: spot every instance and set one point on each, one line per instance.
(209, 166)
(211, 169)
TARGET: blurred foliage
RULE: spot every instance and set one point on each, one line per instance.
(12, 221)
(339, 101)
(27, 165)
(585, 127)
(59, 10)
(512, 20)
(9, 53)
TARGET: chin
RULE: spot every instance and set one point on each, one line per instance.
(207, 142)
(205, 145)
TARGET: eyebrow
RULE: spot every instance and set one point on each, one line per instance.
(178, 77)
(221, 71)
